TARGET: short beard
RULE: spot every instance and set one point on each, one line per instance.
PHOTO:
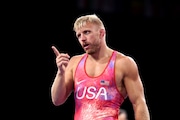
(93, 50)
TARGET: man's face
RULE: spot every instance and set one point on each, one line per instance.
(89, 38)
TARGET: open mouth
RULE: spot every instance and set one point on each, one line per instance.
(85, 46)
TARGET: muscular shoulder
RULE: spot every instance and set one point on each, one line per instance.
(125, 63)
(74, 61)
(76, 58)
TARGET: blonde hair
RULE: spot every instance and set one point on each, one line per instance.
(83, 20)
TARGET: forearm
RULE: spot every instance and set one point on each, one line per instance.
(58, 90)
(141, 112)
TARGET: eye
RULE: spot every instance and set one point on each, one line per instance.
(86, 32)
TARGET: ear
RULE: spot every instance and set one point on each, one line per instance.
(102, 32)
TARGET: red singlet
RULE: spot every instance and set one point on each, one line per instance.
(96, 98)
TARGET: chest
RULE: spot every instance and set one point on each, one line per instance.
(95, 69)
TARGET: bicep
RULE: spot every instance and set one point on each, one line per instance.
(133, 83)
(134, 89)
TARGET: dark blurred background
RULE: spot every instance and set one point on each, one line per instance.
(146, 30)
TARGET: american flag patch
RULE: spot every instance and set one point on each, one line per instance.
(104, 82)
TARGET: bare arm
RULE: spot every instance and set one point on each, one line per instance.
(135, 90)
(63, 82)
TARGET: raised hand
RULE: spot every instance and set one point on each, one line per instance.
(62, 59)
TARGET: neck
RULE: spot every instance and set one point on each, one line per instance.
(101, 54)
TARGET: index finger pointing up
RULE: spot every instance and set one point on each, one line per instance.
(56, 52)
